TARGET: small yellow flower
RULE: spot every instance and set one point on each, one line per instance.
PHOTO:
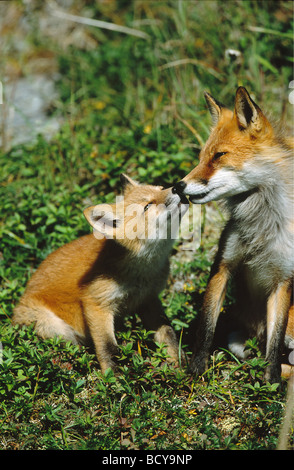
(94, 153)
(186, 437)
(147, 129)
(99, 105)
(188, 287)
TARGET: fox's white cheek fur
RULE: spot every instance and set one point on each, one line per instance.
(224, 183)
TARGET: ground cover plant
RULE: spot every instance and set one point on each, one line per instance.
(134, 105)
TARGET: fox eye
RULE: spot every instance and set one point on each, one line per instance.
(217, 155)
(147, 206)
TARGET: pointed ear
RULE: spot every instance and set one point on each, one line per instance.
(248, 114)
(103, 219)
(126, 181)
(214, 107)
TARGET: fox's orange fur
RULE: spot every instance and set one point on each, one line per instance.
(249, 165)
(79, 290)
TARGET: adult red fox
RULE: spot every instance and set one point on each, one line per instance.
(249, 164)
(79, 290)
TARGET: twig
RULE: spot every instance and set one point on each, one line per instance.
(260, 29)
(203, 65)
(191, 128)
(100, 24)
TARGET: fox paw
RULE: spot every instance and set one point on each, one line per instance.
(272, 374)
(198, 365)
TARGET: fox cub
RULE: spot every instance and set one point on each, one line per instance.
(248, 164)
(79, 290)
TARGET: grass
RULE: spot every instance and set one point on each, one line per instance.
(133, 105)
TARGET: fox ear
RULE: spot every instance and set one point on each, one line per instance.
(103, 220)
(127, 181)
(214, 107)
(248, 114)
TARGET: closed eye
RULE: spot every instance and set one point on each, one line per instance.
(147, 206)
(217, 155)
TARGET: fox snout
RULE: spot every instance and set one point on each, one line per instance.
(182, 190)
(172, 197)
(179, 187)
(196, 190)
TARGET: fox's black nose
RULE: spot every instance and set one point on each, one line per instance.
(179, 187)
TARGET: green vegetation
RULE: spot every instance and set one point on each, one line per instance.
(133, 105)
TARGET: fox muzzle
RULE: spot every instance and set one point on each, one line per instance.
(179, 188)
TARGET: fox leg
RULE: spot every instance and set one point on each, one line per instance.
(206, 323)
(277, 315)
(101, 325)
(154, 318)
(47, 323)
